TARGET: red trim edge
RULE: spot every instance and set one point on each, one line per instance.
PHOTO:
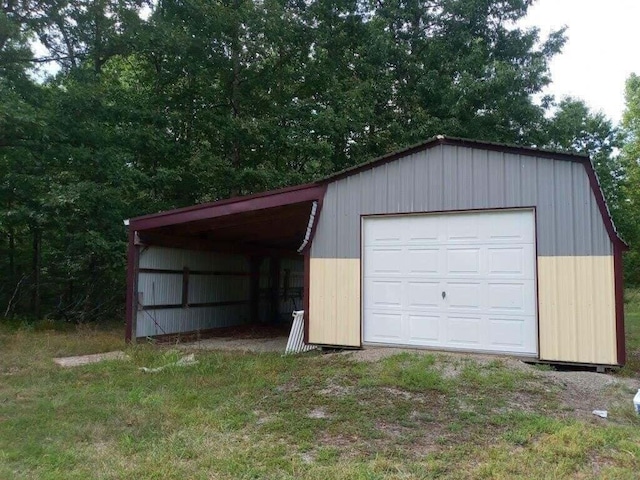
(602, 206)
(305, 300)
(618, 274)
(271, 199)
(132, 260)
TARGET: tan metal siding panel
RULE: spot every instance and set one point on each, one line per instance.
(577, 309)
(334, 302)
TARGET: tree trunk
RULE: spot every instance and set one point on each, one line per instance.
(12, 255)
(235, 86)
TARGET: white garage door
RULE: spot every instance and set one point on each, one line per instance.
(454, 281)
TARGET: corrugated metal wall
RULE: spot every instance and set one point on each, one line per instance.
(231, 283)
(459, 178)
(166, 289)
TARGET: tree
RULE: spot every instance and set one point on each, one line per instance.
(574, 127)
(629, 224)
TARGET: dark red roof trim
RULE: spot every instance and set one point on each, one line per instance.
(205, 211)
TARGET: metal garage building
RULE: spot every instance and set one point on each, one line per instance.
(450, 244)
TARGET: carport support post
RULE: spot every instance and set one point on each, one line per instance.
(274, 292)
(132, 286)
(254, 288)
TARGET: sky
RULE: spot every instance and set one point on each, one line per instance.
(601, 51)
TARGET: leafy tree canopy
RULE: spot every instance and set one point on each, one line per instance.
(197, 100)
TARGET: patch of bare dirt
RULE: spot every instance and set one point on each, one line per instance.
(578, 392)
(318, 413)
(582, 392)
(334, 390)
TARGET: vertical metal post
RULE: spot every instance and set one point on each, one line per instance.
(132, 282)
(274, 293)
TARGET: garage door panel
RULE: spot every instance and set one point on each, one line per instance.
(383, 231)
(423, 261)
(462, 228)
(514, 228)
(512, 297)
(384, 293)
(463, 295)
(384, 327)
(483, 261)
(463, 261)
(384, 261)
(464, 330)
(511, 334)
(513, 262)
(424, 329)
(425, 232)
(423, 294)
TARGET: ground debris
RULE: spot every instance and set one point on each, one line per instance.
(87, 359)
(182, 362)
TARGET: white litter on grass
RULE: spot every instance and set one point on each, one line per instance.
(183, 362)
(80, 360)
(601, 413)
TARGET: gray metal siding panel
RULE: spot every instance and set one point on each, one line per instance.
(582, 209)
(459, 178)
(435, 171)
(166, 289)
(161, 322)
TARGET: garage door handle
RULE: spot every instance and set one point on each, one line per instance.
(444, 294)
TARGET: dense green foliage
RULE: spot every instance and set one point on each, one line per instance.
(154, 105)
(629, 222)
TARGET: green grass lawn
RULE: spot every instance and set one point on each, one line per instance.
(236, 415)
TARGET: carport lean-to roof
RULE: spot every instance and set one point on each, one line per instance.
(277, 219)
